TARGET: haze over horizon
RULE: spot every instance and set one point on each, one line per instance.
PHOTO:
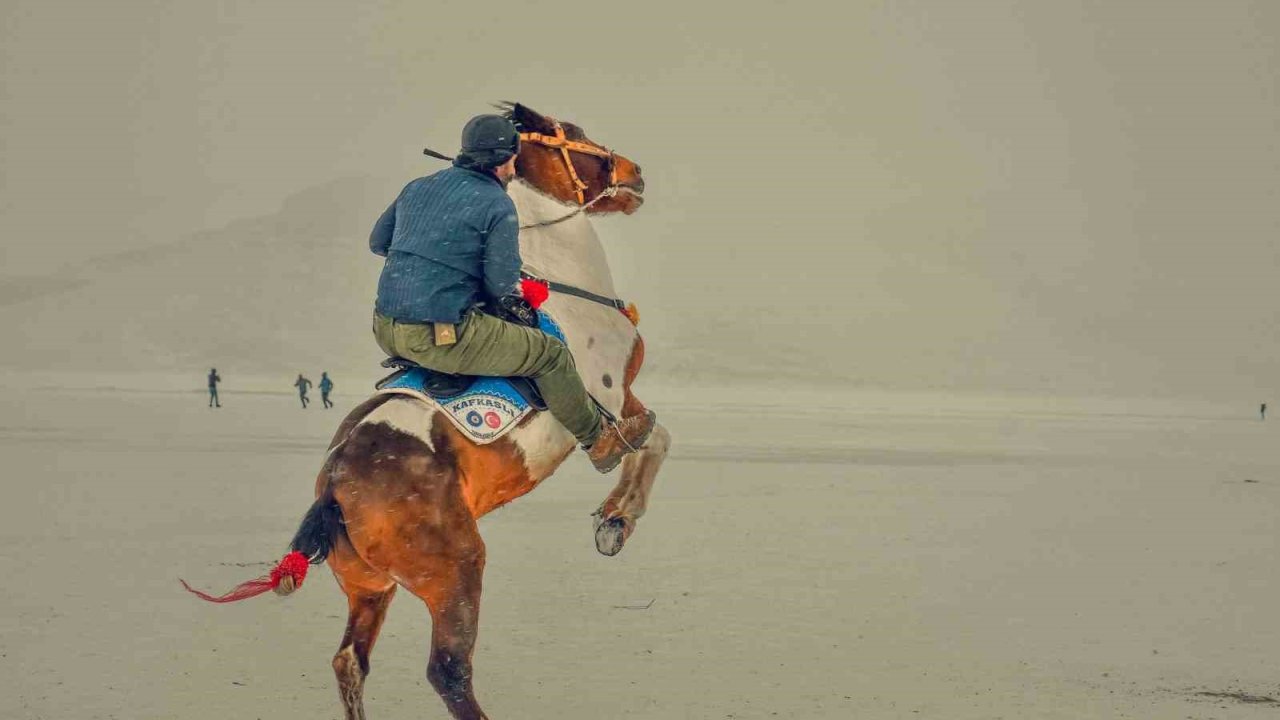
(990, 195)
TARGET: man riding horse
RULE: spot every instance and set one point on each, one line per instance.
(451, 245)
(399, 496)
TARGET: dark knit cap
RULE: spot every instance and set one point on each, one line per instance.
(488, 141)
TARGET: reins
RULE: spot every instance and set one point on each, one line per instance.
(606, 193)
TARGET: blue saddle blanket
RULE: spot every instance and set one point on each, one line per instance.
(487, 409)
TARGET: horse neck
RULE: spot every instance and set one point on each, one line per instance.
(569, 252)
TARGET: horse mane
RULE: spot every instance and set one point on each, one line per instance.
(507, 109)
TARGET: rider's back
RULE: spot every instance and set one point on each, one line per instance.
(436, 239)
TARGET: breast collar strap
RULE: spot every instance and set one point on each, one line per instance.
(563, 289)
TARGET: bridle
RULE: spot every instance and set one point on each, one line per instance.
(560, 142)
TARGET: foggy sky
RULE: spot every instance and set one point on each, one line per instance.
(1059, 196)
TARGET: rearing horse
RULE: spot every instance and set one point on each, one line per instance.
(401, 490)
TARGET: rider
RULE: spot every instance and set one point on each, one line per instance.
(451, 243)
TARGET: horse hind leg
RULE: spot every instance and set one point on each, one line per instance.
(351, 663)
(369, 593)
(449, 583)
(616, 517)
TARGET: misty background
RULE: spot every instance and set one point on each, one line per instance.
(1042, 197)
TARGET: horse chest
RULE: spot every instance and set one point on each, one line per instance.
(601, 340)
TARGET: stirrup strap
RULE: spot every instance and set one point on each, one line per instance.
(604, 411)
(621, 438)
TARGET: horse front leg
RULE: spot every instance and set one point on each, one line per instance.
(616, 517)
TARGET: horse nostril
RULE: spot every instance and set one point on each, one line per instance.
(637, 169)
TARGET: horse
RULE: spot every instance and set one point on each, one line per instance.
(401, 489)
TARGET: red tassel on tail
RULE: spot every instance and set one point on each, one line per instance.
(291, 571)
(535, 293)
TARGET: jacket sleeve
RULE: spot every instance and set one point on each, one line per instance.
(380, 238)
(502, 250)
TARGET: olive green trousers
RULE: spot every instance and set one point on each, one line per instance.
(495, 348)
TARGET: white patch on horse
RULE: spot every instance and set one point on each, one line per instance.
(569, 252)
(409, 415)
(600, 338)
(543, 441)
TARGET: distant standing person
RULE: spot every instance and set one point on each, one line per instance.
(214, 379)
(302, 384)
(325, 386)
(1264, 411)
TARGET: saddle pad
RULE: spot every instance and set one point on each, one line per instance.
(486, 410)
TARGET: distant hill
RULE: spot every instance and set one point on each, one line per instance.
(278, 293)
(292, 291)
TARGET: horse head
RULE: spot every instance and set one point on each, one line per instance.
(558, 159)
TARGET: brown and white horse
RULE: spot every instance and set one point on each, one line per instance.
(401, 490)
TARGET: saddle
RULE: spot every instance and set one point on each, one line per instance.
(483, 408)
(447, 386)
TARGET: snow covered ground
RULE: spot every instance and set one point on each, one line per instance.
(809, 553)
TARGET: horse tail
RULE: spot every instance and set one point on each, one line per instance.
(320, 529)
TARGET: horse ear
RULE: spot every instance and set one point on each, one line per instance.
(530, 120)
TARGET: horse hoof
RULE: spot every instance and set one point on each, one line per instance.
(610, 536)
